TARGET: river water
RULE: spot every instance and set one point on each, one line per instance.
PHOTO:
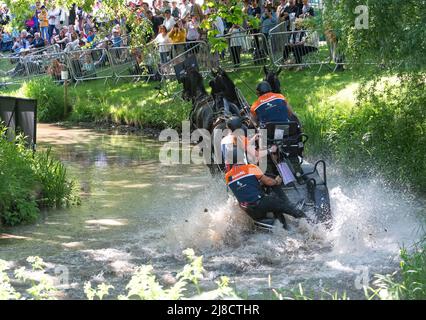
(136, 211)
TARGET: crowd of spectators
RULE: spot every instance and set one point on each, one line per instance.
(175, 25)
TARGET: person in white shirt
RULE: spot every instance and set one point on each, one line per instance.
(184, 9)
(169, 21)
(164, 44)
(54, 15)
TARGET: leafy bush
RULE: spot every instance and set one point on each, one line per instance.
(17, 183)
(50, 98)
(383, 131)
(143, 284)
(29, 181)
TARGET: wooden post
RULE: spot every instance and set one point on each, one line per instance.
(65, 97)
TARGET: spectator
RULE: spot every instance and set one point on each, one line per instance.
(254, 9)
(4, 15)
(54, 20)
(38, 41)
(74, 44)
(72, 14)
(55, 69)
(156, 21)
(166, 6)
(268, 21)
(6, 42)
(184, 9)
(91, 36)
(219, 26)
(291, 12)
(236, 43)
(192, 32)
(163, 42)
(192, 29)
(169, 21)
(307, 10)
(62, 38)
(196, 10)
(44, 23)
(116, 37)
(281, 9)
(175, 10)
(178, 35)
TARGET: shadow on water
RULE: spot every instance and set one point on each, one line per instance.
(136, 211)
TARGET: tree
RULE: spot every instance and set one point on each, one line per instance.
(394, 34)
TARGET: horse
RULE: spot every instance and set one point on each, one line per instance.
(272, 77)
(223, 87)
(203, 105)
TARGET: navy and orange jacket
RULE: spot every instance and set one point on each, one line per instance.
(243, 180)
(271, 107)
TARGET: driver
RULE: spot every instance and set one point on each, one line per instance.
(269, 107)
(237, 138)
(246, 182)
(273, 108)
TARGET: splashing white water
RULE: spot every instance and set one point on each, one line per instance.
(370, 224)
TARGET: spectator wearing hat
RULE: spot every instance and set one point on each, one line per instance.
(166, 6)
(169, 21)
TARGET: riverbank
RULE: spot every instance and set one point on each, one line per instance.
(30, 182)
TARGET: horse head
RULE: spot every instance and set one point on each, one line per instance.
(272, 77)
(223, 86)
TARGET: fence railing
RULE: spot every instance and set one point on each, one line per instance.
(180, 51)
(301, 48)
(280, 48)
(245, 50)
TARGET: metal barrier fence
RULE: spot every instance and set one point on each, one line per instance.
(180, 51)
(299, 48)
(90, 64)
(277, 40)
(13, 70)
(47, 64)
(245, 50)
(49, 49)
(135, 63)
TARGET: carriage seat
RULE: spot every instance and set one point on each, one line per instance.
(288, 135)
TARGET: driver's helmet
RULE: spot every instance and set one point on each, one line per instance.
(263, 87)
(234, 123)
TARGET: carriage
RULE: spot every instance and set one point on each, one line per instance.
(304, 183)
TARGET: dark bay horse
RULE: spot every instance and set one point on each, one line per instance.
(208, 110)
(203, 105)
